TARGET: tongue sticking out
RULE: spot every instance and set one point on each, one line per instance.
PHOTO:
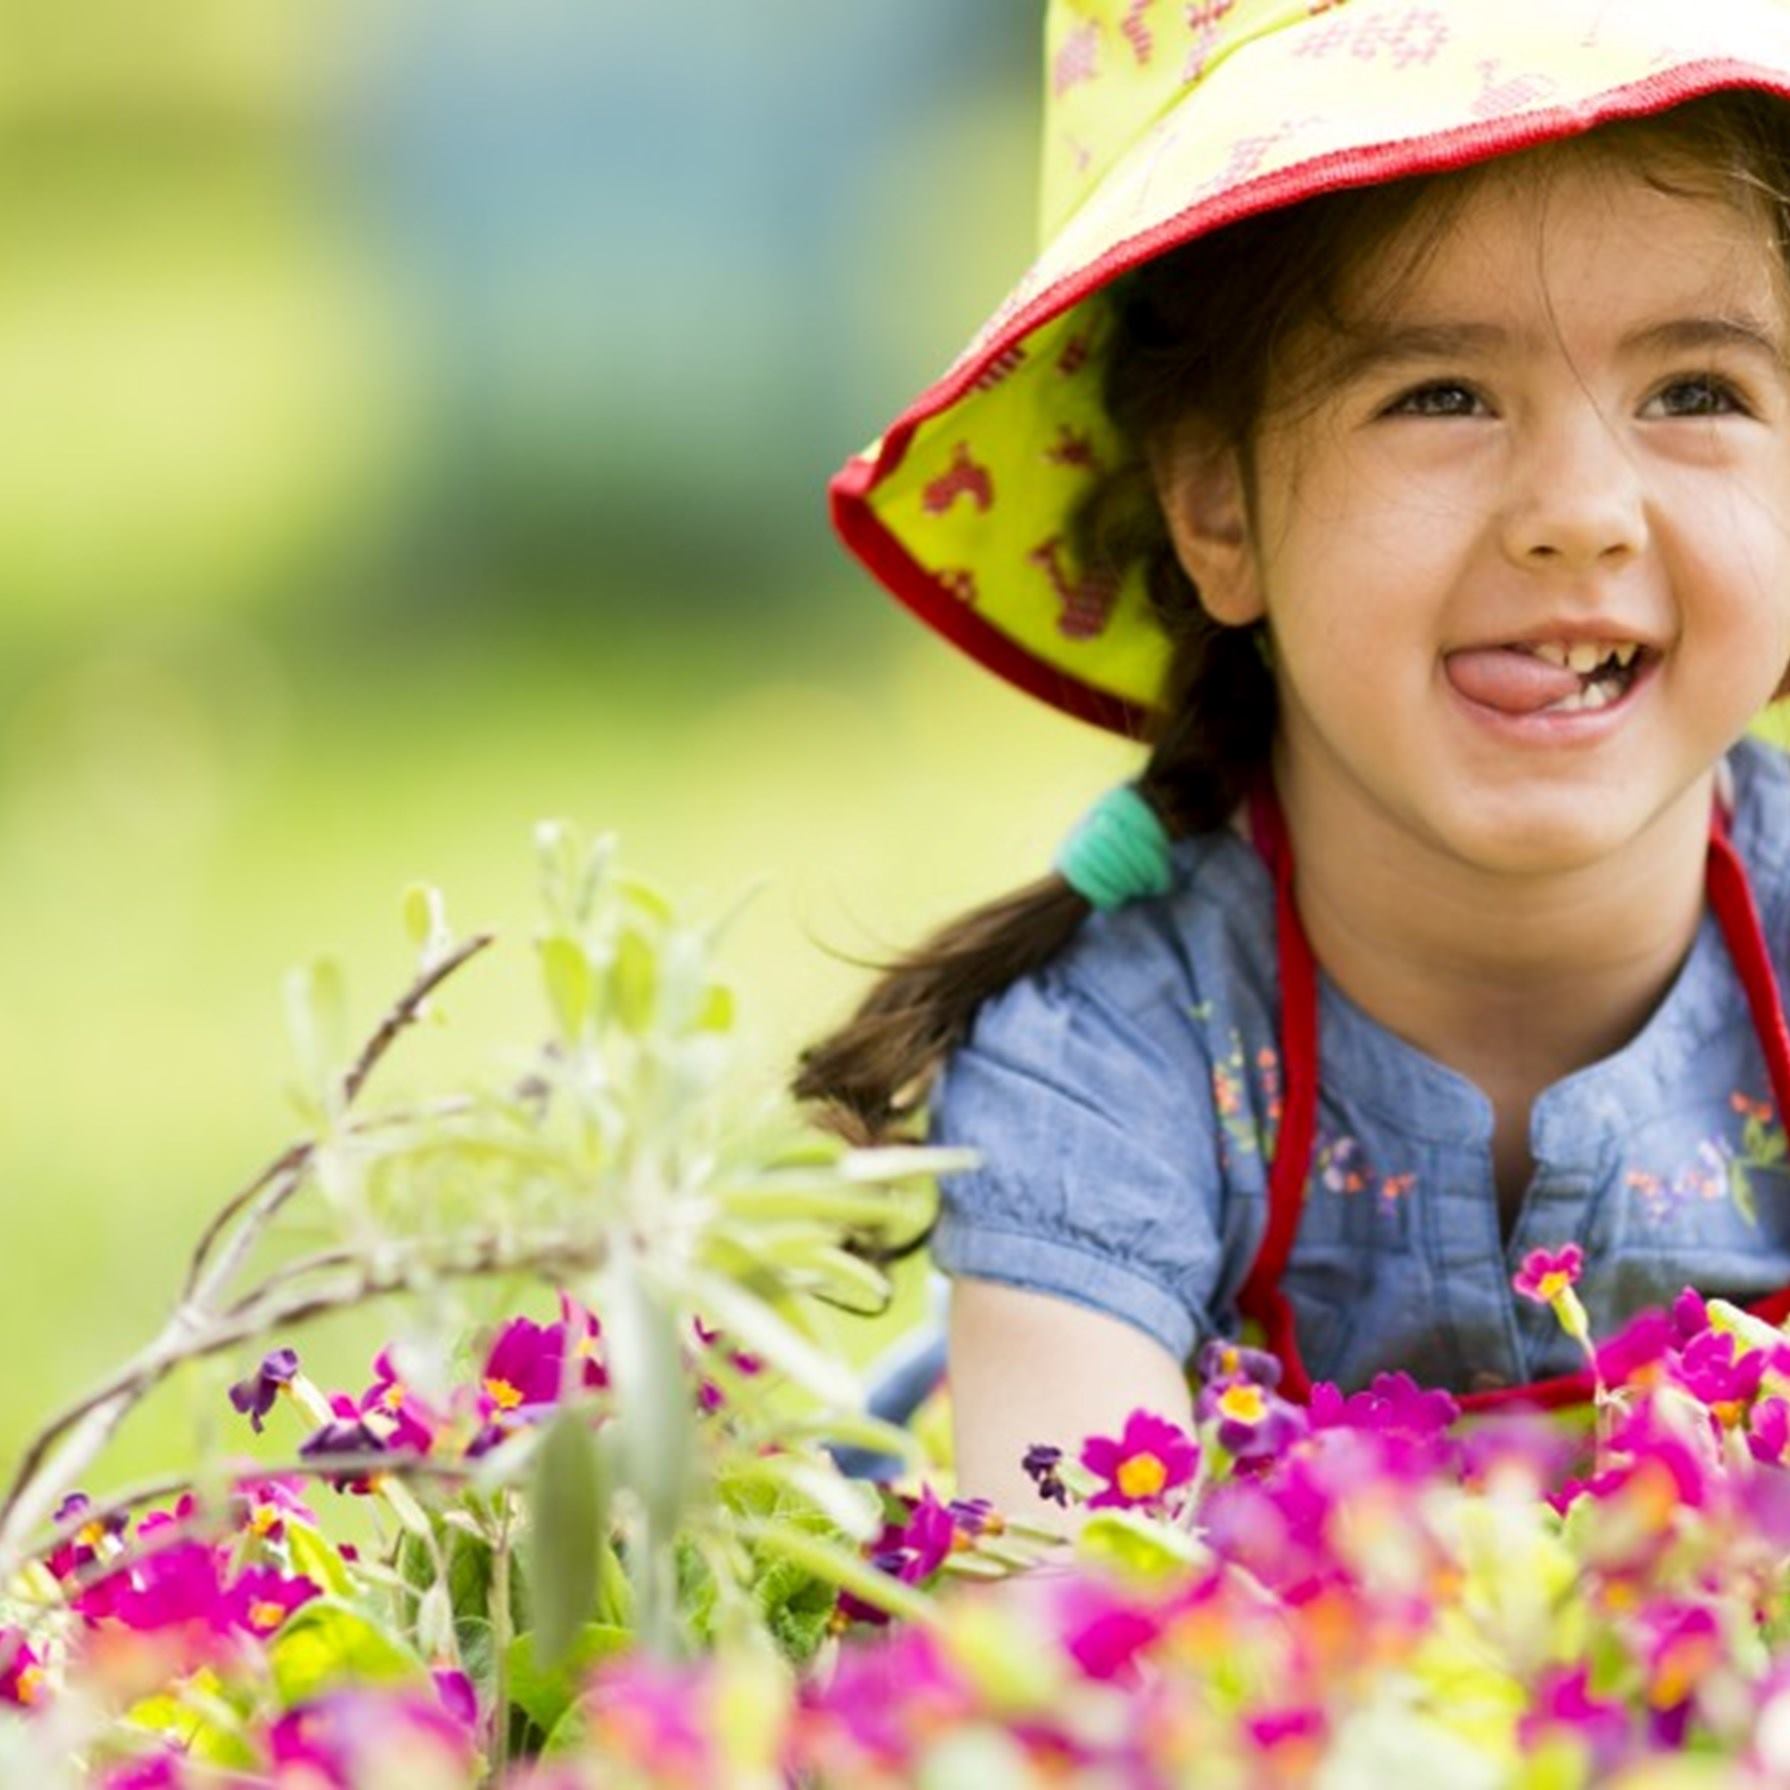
(1506, 678)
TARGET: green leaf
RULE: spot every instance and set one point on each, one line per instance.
(327, 1642)
(317, 1022)
(568, 1514)
(654, 1425)
(545, 1693)
(645, 897)
(716, 1013)
(1740, 1186)
(848, 1503)
(634, 979)
(1136, 1545)
(840, 1567)
(566, 969)
(315, 1557)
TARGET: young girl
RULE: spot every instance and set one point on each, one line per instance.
(1394, 437)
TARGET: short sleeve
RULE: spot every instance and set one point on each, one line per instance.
(1100, 1178)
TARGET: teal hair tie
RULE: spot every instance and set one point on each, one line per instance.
(1118, 849)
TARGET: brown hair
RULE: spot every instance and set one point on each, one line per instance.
(1198, 332)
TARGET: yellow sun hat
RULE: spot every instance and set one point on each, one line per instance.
(1165, 120)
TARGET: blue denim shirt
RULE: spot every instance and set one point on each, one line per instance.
(1126, 1097)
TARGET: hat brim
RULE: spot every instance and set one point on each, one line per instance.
(1116, 691)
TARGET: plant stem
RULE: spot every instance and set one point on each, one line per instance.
(500, 1642)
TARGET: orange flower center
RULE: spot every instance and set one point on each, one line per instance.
(30, 1684)
(1552, 1285)
(503, 1394)
(266, 1615)
(1141, 1476)
(1243, 1402)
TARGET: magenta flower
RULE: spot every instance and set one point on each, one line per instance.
(1151, 1456)
(1102, 1630)
(354, 1737)
(175, 1586)
(1708, 1369)
(263, 1505)
(81, 1549)
(458, 1697)
(1547, 1273)
(21, 1670)
(159, 1771)
(1768, 1431)
(911, 1552)
(1562, 1702)
(525, 1367)
(651, 1714)
(261, 1599)
(709, 1395)
(255, 1396)
(394, 1412)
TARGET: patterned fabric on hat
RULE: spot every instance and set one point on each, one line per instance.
(1166, 118)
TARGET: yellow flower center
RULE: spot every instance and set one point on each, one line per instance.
(503, 1394)
(393, 1396)
(30, 1684)
(263, 1518)
(266, 1615)
(1141, 1476)
(1552, 1285)
(1243, 1402)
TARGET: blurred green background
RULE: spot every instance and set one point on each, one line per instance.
(417, 419)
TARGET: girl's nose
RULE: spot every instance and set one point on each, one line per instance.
(1576, 500)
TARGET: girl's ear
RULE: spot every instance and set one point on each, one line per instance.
(1199, 484)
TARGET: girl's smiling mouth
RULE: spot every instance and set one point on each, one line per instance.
(1555, 686)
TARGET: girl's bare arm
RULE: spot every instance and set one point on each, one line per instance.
(1028, 1367)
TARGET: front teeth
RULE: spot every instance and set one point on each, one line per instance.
(1585, 655)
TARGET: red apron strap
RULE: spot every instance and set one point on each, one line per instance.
(1261, 1297)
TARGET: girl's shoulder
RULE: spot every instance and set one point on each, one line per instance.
(1211, 933)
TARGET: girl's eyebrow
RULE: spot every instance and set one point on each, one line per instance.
(1373, 349)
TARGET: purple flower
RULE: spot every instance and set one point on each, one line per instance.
(1223, 1360)
(1041, 1463)
(1253, 1422)
(1151, 1456)
(255, 1396)
(347, 1435)
(394, 1412)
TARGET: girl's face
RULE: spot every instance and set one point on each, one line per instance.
(1567, 433)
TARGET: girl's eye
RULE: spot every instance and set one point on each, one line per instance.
(1704, 394)
(1443, 398)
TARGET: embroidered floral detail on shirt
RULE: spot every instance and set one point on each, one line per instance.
(1339, 1165)
(1240, 1130)
(1723, 1167)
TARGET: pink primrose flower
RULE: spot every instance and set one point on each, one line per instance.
(1102, 1630)
(1639, 1351)
(261, 1599)
(1547, 1273)
(81, 1549)
(1768, 1431)
(22, 1682)
(159, 1771)
(393, 1412)
(361, 1736)
(1561, 1702)
(911, 1551)
(1683, 1645)
(1710, 1370)
(882, 1698)
(709, 1395)
(265, 1504)
(653, 1715)
(1151, 1456)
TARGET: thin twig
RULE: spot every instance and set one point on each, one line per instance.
(86, 1427)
